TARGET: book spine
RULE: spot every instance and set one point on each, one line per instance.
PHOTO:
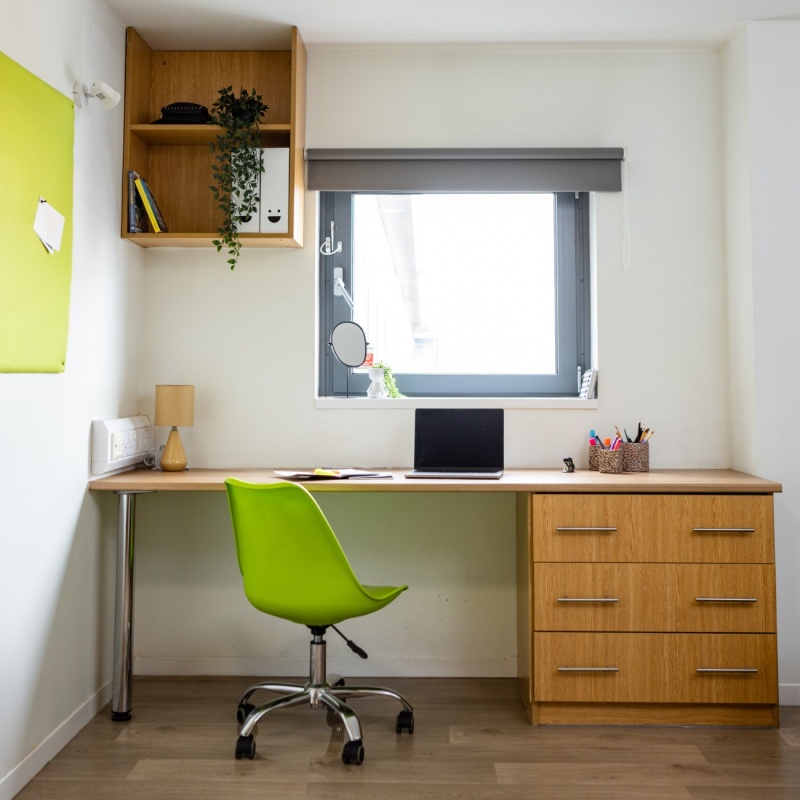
(154, 206)
(146, 204)
(133, 220)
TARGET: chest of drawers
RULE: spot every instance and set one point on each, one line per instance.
(648, 609)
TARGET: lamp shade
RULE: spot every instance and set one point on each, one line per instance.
(174, 405)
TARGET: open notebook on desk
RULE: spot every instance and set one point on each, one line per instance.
(329, 474)
(458, 443)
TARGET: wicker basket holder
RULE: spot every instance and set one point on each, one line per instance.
(635, 456)
(611, 461)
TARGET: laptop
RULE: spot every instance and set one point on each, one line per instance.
(458, 443)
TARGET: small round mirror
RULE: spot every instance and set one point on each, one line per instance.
(349, 344)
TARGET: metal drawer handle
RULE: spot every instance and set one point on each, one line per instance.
(585, 530)
(723, 530)
(729, 671)
(588, 669)
(587, 600)
(726, 599)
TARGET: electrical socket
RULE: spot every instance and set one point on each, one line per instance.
(120, 443)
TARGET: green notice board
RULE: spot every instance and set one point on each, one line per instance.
(36, 138)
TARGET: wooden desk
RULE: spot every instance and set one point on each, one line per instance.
(525, 483)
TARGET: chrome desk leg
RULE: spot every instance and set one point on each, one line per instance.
(123, 614)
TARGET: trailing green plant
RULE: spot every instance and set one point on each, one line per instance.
(238, 163)
(388, 380)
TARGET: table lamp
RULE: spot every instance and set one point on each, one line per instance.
(174, 406)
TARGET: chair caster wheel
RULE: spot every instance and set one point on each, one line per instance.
(242, 711)
(246, 747)
(405, 722)
(353, 752)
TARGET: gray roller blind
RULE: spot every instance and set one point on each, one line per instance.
(466, 170)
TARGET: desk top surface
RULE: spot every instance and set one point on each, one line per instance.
(674, 481)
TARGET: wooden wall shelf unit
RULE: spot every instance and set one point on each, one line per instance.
(175, 159)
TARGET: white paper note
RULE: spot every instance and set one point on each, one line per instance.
(48, 225)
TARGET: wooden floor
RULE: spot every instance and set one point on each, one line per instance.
(472, 740)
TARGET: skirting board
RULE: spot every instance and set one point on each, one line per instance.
(789, 694)
(16, 780)
(354, 667)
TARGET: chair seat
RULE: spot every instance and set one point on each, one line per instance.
(291, 561)
(305, 611)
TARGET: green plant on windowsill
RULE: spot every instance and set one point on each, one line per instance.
(238, 163)
(388, 380)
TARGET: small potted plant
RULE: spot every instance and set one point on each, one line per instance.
(238, 163)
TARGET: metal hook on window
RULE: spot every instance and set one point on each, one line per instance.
(327, 247)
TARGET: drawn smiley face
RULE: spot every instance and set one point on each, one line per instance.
(274, 215)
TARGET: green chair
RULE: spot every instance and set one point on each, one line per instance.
(294, 568)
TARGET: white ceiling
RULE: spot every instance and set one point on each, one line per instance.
(264, 24)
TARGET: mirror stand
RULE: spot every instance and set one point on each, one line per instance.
(349, 344)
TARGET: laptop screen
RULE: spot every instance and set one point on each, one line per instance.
(447, 439)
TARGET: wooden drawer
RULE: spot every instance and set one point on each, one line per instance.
(667, 528)
(703, 598)
(655, 668)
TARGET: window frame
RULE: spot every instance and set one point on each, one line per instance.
(573, 309)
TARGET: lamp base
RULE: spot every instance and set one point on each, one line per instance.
(173, 459)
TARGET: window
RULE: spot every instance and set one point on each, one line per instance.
(463, 295)
(467, 268)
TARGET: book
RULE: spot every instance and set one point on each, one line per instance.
(150, 206)
(330, 474)
(137, 218)
(588, 385)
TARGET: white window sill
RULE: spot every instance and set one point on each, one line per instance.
(571, 403)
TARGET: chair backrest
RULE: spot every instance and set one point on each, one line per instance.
(291, 561)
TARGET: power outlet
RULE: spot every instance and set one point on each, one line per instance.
(120, 443)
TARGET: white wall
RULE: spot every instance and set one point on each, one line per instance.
(247, 340)
(56, 543)
(739, 251)
(662, 325)
(771, 114)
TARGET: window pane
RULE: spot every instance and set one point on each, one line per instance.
(448, 284)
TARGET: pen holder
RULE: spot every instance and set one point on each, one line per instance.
(635, 456)
(594, 457)
(611, 461)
